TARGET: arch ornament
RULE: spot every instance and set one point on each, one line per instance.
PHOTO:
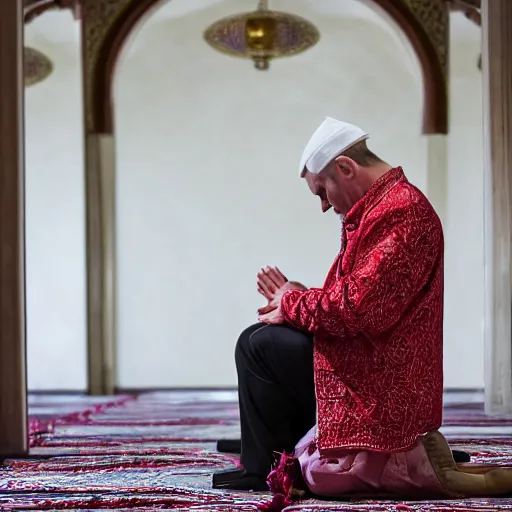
(108, 24)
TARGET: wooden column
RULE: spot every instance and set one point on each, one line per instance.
(497, 87)
(13, 385)
(100, 203)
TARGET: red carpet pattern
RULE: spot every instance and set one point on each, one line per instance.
(156, 451)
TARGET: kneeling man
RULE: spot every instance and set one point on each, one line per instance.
(356, 364)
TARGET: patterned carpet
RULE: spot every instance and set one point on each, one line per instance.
(156, 451)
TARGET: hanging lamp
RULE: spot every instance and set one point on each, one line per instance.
(262, 35)
(37, 66)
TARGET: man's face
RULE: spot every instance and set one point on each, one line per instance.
(335, 185)
(317, 186)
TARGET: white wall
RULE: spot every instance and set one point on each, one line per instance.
(208, 190)
(464, 263)
(55, 233)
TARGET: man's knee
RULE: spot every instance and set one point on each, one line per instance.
(252, 340)
(261, 339)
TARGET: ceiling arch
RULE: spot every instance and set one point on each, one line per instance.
(107, 26)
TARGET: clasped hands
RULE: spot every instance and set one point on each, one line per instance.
(273, 284)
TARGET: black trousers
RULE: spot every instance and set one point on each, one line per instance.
(276, 392)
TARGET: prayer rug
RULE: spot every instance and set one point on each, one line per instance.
(156, 451)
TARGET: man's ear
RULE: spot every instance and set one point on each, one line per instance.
(346, 165)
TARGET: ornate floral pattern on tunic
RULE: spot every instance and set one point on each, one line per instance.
(378, 323)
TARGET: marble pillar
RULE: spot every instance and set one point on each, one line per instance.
(497, 132)
(13, 382)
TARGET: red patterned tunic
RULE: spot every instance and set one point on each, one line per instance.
(378, 323)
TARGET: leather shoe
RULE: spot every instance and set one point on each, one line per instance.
(229, 446)
(239, 480)
(460, 456)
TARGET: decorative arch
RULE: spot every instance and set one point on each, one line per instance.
(108, 24)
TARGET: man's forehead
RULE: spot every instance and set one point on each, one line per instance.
(313, 180)
(317, 177)
(308, 176)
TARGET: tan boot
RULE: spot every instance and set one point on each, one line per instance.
(467, 480)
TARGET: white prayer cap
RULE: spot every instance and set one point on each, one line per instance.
(330, 140)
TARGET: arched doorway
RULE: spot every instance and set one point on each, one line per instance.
(103, 43)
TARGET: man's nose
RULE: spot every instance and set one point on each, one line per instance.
(325, 205)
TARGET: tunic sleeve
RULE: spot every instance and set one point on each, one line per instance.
(396, 256)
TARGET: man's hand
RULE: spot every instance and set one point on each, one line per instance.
(271, 313)
(269, 280)
(274, 317)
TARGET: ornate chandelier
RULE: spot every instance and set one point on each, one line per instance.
(37, 66)
(262, 35)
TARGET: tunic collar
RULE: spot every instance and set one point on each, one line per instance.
(374, 194)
